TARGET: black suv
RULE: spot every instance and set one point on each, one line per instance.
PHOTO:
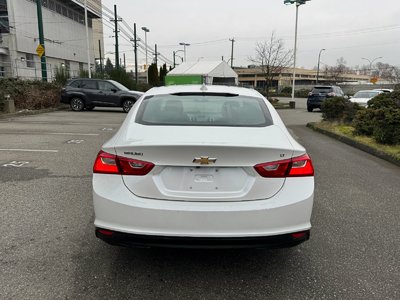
(320, 93)
(87, 93)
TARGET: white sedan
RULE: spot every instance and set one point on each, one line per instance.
(203, 166)
(362, 97)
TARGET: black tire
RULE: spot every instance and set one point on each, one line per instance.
(77, 104)
(310, 108)
(127, 104)
(89, 107)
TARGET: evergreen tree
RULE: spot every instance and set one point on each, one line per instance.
(153, 75)
(109, 66)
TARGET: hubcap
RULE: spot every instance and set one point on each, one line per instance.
(127, 105)
(76, 104)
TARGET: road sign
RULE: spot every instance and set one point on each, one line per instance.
(374, 80)
(40, 50)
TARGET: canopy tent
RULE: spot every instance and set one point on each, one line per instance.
(208, 72)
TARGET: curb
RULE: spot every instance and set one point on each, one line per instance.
(32, 112)
(355, 144)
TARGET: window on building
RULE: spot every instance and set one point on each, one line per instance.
(30, 60)
(64, 11)
(58, 8)
(2, 72)
(80, 66)
(45, 3)
(4, 25)
(70, 14)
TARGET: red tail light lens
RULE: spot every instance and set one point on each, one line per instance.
(107, 163)
(295, 167)
(332, 94)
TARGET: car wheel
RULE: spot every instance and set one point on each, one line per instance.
(89, 107)
(310, 108)
(77, 104)
(127, 104)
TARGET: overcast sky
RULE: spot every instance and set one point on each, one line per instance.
(352, 29)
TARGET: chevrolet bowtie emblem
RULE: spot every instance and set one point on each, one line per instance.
(204, 160)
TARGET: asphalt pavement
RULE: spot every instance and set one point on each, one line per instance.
(48, 249)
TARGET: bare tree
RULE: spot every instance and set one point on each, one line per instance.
(336, 72)
(273, 58)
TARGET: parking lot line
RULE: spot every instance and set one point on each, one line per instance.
(52, 133)
(30, 150)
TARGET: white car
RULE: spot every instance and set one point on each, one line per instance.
(362, 97)
(203, 166)
(387, 91)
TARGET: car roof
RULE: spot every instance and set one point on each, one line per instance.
(197, 88)
(324, 86)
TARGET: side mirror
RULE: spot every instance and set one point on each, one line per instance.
(114, 90)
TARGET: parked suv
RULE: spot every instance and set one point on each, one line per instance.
(87, 93)
(320, 93)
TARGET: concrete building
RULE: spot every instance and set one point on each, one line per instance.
(64, 32)
(253, 77)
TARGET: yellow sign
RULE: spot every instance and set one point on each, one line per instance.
(374, 80)
(40, 50)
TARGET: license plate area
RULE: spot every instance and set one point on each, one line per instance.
(203, 180)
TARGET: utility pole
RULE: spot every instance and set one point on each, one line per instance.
(116, 20)
(101, 59)
(136, 66)
(41, 39)
(124, 62)
(174, 58)
(233, 41)
(155, 48)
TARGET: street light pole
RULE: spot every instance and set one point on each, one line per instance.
(319, 60)
(184, 49)
(87, 40)
(292, 103)
(146, 30)
(370, 63)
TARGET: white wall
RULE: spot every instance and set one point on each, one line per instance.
(67, 39)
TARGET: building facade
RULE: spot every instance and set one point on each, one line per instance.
(64, 33)
(253, 77)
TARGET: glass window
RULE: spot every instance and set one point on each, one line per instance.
(4, 25)
(89, 84)
(204, 110)
(75, 83)
(30, 60)
(119, 86)
(321, 89)
(106, 86)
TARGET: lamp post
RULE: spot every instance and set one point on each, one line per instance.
(298, 3)
(370, 63)
(319, 61)
(146, 30)
(175, 54)
(87, 40)
(184, 49)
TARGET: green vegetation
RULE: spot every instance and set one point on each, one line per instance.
(378, 125)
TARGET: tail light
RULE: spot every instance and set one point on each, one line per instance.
(294, 167)
(332, 94)
(107, 163)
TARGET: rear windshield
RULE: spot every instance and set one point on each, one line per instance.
(204, 110)
(322, 89)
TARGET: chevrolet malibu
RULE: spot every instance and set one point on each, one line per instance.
(203, 167)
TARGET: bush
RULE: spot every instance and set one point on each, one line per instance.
(339, 109)
(286, 90)
(363, 122)
(303, 93)
(385, 100)
(387, 126)
(31, 94)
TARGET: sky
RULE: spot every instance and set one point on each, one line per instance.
(352, 29)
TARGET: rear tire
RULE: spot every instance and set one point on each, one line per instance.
(77, 104)
(309, 108)
(127, 104)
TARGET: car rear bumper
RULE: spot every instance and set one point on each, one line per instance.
(136, 240)
(117, 209)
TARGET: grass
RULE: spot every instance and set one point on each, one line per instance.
(347, 130)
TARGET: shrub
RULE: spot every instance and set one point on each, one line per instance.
(339, 109)
(385, 100)
(286, 90)
(31, 94)
(364, 122)
(303, 93)
(387, 126)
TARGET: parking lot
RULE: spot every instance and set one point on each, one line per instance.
(48, 249)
